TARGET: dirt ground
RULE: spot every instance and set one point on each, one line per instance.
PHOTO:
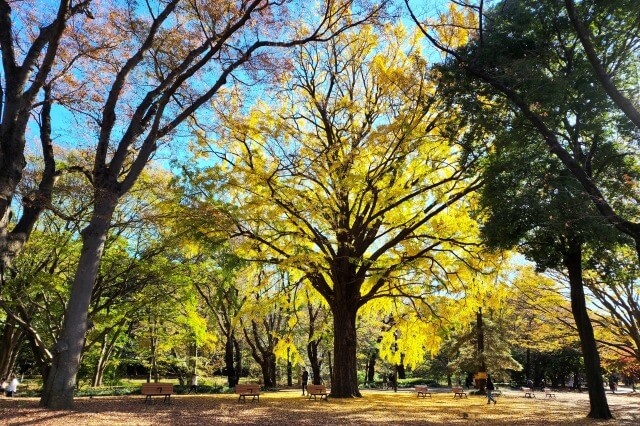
(290, 408)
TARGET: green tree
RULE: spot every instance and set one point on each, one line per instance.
(528, 53)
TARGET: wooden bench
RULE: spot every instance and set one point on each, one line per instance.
(548, 393)
(423, 391)
(157, 389)
(529, 393)
(249, 389)
(317, 390)
(458, 391)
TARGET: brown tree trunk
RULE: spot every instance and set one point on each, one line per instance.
(314, 360)
(228, 362)
(238, 351)
(330, 369)
(58, 390)
(597, 397)
(402, 374)
(289, 369)
(100, 364)
(108, 345)
(12, 338)
(312, 344)
(371, 370)
(345, 374)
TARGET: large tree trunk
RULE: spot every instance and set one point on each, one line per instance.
(597, 396)
(58, 391)
(345, 374)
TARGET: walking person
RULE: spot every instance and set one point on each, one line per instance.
(490, 388)
(392, 382)
(305, 380)
(13, 385)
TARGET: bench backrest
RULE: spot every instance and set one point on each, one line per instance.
(248, 388)
(526, 389)
(422, 388)
(458, 390)
(157, 389)
(316, 389)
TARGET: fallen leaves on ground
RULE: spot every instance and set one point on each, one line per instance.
(289, 407)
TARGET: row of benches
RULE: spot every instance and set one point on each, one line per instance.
(458, 392)
(243, 391)
(253, 391)
(531, 393)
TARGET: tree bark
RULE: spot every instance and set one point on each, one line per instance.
(108, 345)
(400, 368)
(58, 390)
(345, 374)
(238, 351)
(12, 338)
(312, 345)
(228, 361)
(371, 370)
(597, 397)
(289, 369)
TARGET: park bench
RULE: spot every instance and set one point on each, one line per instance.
(529, 393)
(458, 391)
(317, 390)
(249, 389)
(157, 389)
(548, 393)
(423, 391)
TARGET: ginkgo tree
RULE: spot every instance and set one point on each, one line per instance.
(353, 178)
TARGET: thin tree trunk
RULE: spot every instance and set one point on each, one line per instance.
(401, 371)
(597, 397)
(314, 360)
(108, 345)
(371, 370)
(330, 368)
(12, 338)
(238, 351)
(289, 369)
(228, 362)
(58, 391)
(345, 375)
(99, 368)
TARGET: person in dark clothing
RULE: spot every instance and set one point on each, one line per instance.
(468, 381)
(194, 384)
(490, 388)
(305, 380)
(392, 382)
